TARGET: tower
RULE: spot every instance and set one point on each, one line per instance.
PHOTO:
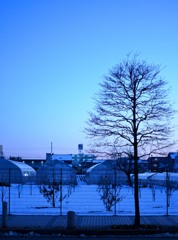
(1, 151)
(80, 148)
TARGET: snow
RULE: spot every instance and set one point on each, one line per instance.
(144, 176)
(93, 167)
(162, 176)
(85, 200)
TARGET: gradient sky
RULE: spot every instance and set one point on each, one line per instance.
(53, 54)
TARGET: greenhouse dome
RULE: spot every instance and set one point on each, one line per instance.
(15, 172)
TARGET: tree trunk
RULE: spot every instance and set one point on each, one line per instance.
(136, 192)
(129, 179)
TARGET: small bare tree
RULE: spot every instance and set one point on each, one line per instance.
(4, 191)
(109, 193)
(51, 192)
(132, 114)
(169, 189)
(20, 189)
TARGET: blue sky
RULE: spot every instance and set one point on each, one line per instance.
(53, 54)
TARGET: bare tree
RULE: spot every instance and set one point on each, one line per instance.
(4, 192)
(109, 193)
(132, 114)
(51, 192)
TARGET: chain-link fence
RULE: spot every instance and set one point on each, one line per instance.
(99, 193)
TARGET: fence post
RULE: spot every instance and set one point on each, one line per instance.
(167, 193)
(4, 215)
(115, 192)
(53, 183)
(70, 220)
(61, 192)
(9, 191)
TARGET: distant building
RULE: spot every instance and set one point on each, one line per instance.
(162, 164)
(80, 162)
(174, 157)
(1, 151)
(67, 158)
(176, 164)
(127, 164)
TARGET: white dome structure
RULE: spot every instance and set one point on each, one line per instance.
(56, 171)
(15, 172)
(105, 170)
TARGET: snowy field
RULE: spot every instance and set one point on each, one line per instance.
(85, 200)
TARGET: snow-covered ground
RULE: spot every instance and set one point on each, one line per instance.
(85, 200)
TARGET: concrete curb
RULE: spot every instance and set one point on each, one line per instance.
(79, 231)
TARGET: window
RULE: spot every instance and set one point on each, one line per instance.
(155, 165)
(25, 173)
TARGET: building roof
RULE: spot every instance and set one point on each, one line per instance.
(106, 164)
(61, 157)
(22, 165)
